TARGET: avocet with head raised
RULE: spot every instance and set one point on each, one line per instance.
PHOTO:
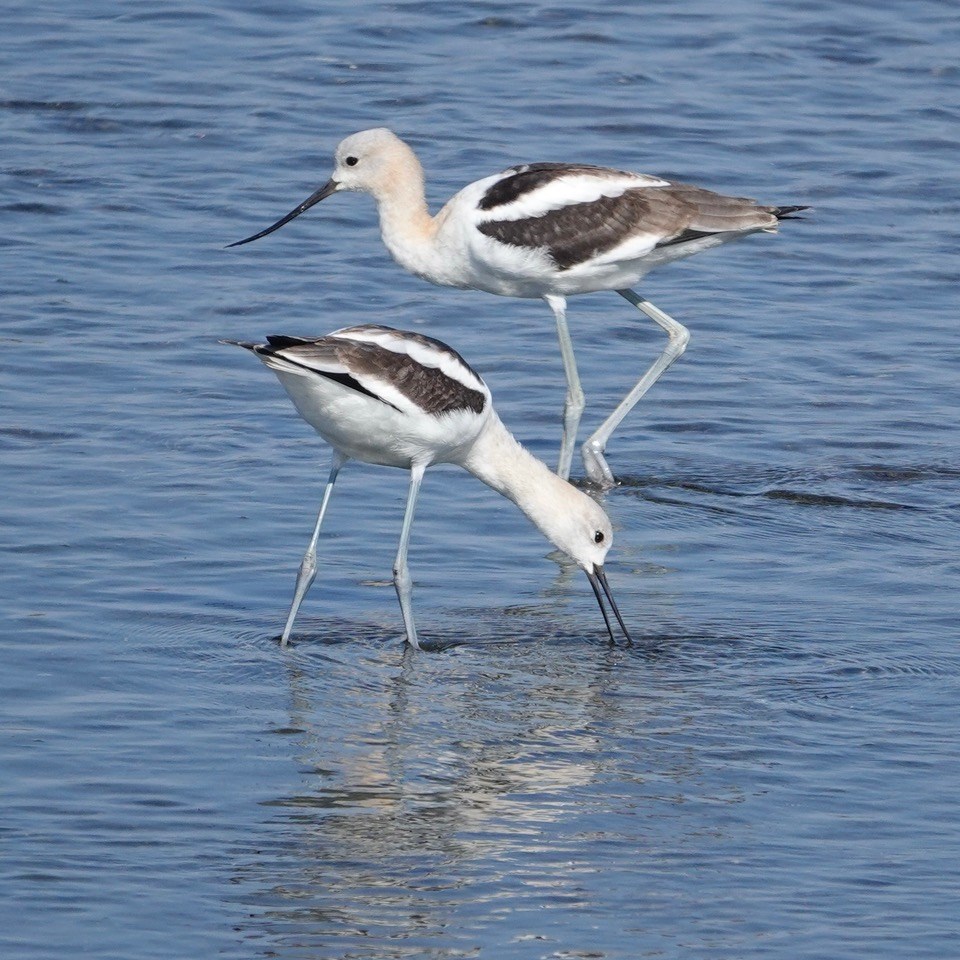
(405, 400)
(545, 230)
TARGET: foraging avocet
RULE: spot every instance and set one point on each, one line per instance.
(405, 400)
(545, 230)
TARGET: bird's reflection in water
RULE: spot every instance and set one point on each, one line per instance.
(478, 778)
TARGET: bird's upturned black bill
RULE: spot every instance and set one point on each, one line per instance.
(329, 187)
(597, 580)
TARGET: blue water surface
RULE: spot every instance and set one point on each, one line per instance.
(769, 771)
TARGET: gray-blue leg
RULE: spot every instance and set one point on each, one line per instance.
(574, 403)
(593, 459)
(308, 566)
(401, 572)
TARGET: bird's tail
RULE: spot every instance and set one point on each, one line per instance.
(246, 344)
(786, 213)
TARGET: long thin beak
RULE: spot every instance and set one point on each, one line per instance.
(597, 580)
(329, 187)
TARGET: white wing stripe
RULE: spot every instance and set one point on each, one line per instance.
(567, 191)
(424, 354)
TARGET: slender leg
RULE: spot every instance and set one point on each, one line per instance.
(401, 572)
(593, 459)
(308, 566)
(574, 403)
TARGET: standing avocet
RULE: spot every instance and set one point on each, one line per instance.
(545, 230)
(404, 400)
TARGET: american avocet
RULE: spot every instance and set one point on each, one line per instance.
(404, 400)
(545, 230)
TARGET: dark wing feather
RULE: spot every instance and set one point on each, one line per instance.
(677, 213)
(319, 356)
(528, 177)
(427, 387)
(361, 366)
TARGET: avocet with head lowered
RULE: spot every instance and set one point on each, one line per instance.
(401, 399)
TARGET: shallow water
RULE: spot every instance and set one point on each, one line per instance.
(769, 771)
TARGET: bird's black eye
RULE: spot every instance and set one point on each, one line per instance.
(598, 537)
(351, 161)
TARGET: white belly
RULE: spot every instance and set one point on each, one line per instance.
(364, 428)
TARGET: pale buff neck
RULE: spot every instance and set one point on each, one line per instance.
(406, 226)
(402, 202)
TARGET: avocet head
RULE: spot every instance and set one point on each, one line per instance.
(372, 161)
(582, 530)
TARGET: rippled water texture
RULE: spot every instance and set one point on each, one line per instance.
(770, 771)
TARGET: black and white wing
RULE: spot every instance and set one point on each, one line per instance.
(407, 371)
(578, 213)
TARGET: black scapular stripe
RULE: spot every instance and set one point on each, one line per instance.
(531, 176)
